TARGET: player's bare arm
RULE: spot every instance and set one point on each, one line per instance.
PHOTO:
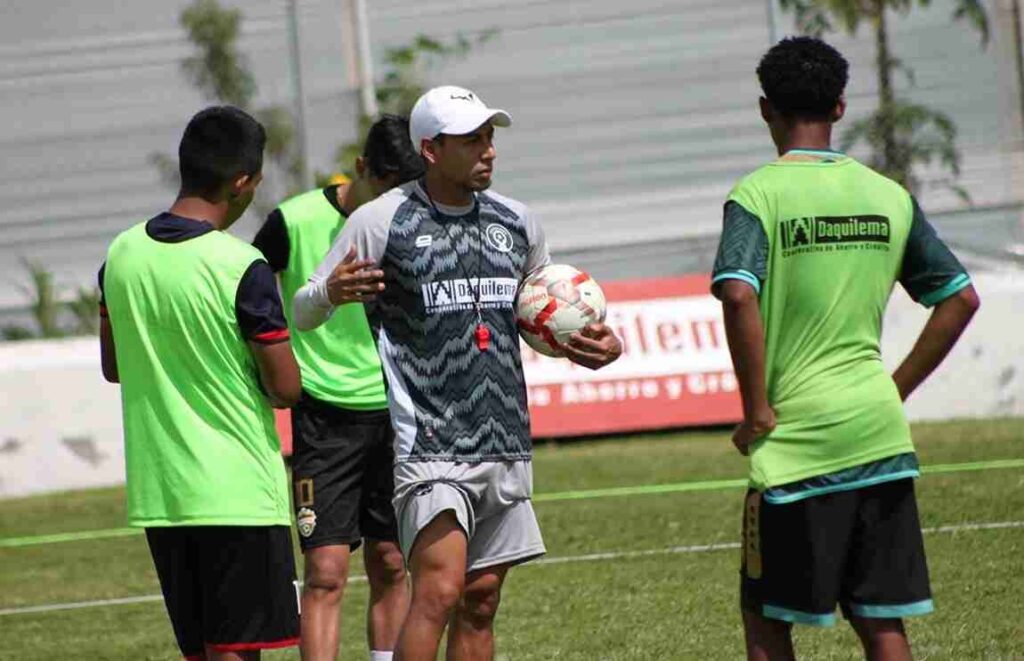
(108, 354)
(593, 347)
(279, 373)
(948, 320)
(354, 280)
(745, 334)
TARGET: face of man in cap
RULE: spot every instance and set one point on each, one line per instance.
(464, 161)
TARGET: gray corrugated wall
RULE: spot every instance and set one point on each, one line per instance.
(632, 119)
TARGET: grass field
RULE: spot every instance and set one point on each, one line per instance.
(630, 573)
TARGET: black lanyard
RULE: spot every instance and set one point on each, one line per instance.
(482, 333)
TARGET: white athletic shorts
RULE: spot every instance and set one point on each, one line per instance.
(490, 500)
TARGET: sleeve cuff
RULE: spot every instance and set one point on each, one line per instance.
(272, 337)
(745, 276)
(318, 294)
(952, 287)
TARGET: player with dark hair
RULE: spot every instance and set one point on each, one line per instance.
(452, 253)
(342, 453)
(811, 248)
(193, 330)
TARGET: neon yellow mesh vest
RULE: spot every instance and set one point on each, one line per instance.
(200, 444)
(339, 359)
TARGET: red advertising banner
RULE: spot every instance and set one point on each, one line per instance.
(675, 369)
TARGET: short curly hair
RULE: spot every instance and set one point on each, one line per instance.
(803, 77)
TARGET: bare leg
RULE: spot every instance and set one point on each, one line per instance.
(389, 593)
(767, 639)
(471, 632)
(883, 639)
(325, 576)
(438, 566)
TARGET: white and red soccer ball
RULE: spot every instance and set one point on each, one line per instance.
(553, 303)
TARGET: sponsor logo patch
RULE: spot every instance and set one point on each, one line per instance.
(498, 237)
(424, 241)
(457, 295)
(306, 521)
(833, 233)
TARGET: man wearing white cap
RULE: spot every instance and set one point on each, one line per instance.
(452, 254)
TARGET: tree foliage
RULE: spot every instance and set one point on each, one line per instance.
(52, 317)
(222, 74)
(901, 135)
(217, 70)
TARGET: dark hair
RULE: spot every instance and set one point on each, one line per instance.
(220, 143)
(388, 150)
(803, 77)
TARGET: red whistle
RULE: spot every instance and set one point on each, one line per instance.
(483, 337)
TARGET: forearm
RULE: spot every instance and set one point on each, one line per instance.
(311, 306)
(745, 334)
(108, 353)
(278, 372)
(948, 320)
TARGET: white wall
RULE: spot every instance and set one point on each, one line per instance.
(60, 424)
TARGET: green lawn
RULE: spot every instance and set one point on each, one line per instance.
(656, 605)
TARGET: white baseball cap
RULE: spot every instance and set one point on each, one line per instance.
(451, 110)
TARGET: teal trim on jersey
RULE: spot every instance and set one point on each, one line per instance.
(816, 152)
(809, 493)
(898, 610)
(898, 467)
(745, 276)
(953, 286)
(798, 617)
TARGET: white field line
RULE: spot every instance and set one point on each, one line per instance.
(590, 557)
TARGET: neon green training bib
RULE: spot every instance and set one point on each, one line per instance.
(200, 443)
(338, 360)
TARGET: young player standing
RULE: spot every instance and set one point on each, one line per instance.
(192, 327)
(343, 440)
(811, 247)
(452, 254)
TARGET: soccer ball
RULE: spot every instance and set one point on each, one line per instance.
(553, 303)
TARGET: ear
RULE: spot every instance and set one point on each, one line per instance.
(839, 110)
(767, 112)
(238, 185)
(428, 148)
(361, 167)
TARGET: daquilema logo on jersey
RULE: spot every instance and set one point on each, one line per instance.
(457, 295)
(826, 233)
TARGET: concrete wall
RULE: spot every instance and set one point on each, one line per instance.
(60, 424)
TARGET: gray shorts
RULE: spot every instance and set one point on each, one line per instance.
(490, 500)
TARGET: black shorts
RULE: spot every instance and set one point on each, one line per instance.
(861, 548)
(342, 474)
(230, 587)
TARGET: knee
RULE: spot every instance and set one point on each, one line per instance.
(325, 575)
(385, 565)
(479, 603)
(438, 595)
